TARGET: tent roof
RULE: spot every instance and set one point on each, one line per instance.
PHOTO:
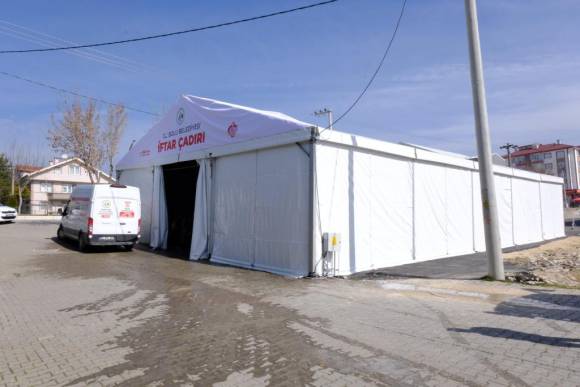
(209, 123)
(195, 127)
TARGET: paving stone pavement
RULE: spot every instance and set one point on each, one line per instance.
(140, 319)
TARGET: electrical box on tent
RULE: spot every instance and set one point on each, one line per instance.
(330, 242)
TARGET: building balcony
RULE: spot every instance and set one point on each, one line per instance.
(58, 196)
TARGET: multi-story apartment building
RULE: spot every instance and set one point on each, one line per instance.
(50, 187)
(553, 159)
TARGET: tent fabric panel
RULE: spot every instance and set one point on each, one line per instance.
(367, 199)
(527, 215)
(430, 211)
(392, 220)
(361, 177)
(334, 202)
(282, 210)
(459, 209)
(234, 219)
(552, 211)
(159, 228)
(201, 222)
(389, 205)
(478, 232)
(142, 178)
(503, 188)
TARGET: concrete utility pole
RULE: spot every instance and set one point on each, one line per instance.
(488, 201)
(329, 113)
(508, 147)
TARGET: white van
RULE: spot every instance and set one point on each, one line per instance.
(102, 215)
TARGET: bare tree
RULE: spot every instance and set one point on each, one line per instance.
(78, 133)
(111, 135)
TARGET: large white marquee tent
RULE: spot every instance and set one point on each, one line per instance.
(267, 187)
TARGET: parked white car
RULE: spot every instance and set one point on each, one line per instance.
(102, 215)
(7, 214)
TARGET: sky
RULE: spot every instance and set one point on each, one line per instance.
(302, 62)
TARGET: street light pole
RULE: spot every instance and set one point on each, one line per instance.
(488, 200)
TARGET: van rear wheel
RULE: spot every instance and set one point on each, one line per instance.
(60, 234)
(82, 242)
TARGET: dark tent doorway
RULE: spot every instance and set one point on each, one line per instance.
(180, 180)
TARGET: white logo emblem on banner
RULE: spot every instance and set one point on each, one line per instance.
(180, 116)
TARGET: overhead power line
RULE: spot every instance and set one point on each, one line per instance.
(61, 90)
(371, 80)
(225, 24)
(43, 39)
(46, 40)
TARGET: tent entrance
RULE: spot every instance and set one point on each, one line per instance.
(180, 187)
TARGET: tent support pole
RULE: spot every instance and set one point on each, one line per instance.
(211, 209)
(312, 205)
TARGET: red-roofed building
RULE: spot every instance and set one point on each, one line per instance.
(25, 168)
(552, 159)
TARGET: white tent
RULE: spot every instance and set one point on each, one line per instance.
(270, 186)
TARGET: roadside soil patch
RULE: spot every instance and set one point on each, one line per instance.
(554, 263)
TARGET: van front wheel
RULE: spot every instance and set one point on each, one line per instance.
(82, 242)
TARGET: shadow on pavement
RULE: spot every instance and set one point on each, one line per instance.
(465, 267)
(471, 266)
(516, 335)
(70, 244)
(544, 304)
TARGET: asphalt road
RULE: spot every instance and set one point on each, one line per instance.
(110, 317)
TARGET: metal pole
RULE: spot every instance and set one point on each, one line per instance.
(330, 121)
(488, 201)
(313, 206)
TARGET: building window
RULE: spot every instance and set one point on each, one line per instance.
(46, 187)
(57, 171)
(67, 188)
(74, 169)
(548, 155)
(560, 154)
(536, 157)
(549, 166)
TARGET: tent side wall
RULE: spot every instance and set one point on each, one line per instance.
(142, 178)
(261, 208)
(393, 209)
